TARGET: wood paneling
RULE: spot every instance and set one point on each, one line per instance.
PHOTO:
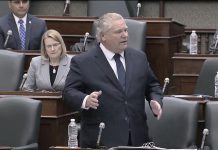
(186, 69)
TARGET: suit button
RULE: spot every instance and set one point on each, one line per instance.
(126, 119)
(126, 102)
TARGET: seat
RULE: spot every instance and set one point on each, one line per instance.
(137, 34)
(97, 8)
(136, 31)
(20, 121)
(177, 127)
(12, 68)
(205, 81)
(211, 123)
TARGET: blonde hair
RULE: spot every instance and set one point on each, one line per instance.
(57, 37)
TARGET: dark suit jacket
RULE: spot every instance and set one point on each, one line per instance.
(119, 110)
(35, 28)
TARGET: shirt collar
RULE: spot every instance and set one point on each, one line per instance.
(109, 54)
(17, 19)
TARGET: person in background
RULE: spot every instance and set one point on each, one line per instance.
(109, 84)
(213, 49)
(25, 30)
(48, 72)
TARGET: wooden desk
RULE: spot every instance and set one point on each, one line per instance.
(186, 69)
(163, 38)
(55, 117)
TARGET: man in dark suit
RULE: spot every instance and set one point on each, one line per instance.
(111, 89)
(33, 28)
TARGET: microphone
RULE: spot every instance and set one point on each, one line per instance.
(166, 82)
(23, 81)
(67, 8)
(85, 40)
(205, 133)
(138, 9)
(9, 33)
(101, 127)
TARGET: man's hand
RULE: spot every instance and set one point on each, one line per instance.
(92, 100)
(156, 108)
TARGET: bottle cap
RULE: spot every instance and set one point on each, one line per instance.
(72, 120)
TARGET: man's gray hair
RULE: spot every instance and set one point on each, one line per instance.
(104, 23)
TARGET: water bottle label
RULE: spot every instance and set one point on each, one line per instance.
(72, 135)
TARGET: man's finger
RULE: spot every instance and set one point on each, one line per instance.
(99, 93)
(159, 115)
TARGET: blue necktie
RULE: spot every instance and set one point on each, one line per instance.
(22, 34)
(120, 70)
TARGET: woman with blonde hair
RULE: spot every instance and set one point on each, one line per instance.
(48, 71)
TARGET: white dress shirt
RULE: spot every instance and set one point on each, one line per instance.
(110, 58)
(24, 21)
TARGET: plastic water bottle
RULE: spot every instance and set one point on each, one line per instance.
(193, 43)
(216, 85)
(72, 134)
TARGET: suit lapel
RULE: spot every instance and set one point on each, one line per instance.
(103, 64)
(15, 33)
(45, 73)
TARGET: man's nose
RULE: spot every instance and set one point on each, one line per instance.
(125, 34)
